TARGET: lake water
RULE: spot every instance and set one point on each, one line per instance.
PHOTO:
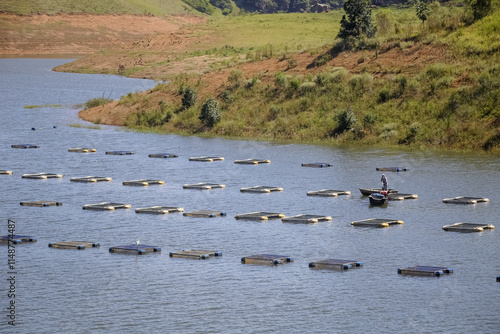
(62, 291)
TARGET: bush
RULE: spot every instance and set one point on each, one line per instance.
(345, 121)
(97, 102)
(384, 95)
(307, 87)
(210, 113)
(189, 98)
(280, 80)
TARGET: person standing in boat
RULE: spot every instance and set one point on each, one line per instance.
(384, 182)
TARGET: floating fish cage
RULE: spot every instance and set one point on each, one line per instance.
(142, 182)
(335, 264)
(196, 254)
(252, 161)
(159, 210)
(401, 197)
(268, 259)
(261, 189)
(306, 219)
(260, 215)
(468, 227)
(206, 159)
(204, 186)
(163, 155)
(328, 193)
(5, 172)
(90, 179)
(204, 214)
(120, 152)
(317, 165)
(135, 249)
(465, 200)
(41, 203)
(425, 271)
(82, 150)
(16, 239)
(74, 244)
(24, 146)
(106, 206)
(42, 176)
(392, 169)
(376, 222)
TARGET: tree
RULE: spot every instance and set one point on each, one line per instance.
(358, 22)
(210, 113)
(189, 98)
(422, 11)
(479, 8)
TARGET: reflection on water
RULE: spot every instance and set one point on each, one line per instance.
(69, 290)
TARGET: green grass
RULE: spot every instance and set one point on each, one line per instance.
(35, 106)
(76, 125)
(159, 8)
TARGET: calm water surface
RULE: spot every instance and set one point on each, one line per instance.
(61, 291)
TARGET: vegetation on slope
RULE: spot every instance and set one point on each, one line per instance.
(451, 102)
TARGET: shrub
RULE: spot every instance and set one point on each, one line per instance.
(307, 87)
(97, 102)
(361, 82)
(345, 121)
(235, 77)
(189, 98)
(210, 113)
(280, 80)
(384, 95)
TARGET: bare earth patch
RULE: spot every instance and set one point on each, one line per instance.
(80, 34)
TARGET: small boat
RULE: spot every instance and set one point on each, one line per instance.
(378, 198)
(369, 191)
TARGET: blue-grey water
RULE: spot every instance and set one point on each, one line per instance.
(92, 290)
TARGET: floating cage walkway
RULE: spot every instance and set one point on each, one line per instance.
(24, 146)
(269, 259)
(142, 182)
(376, 222)
(82, 150)
(196, 254)
(425, 271)
(204, 186)
(261, 189)
(306, 219)
(90, 179)
(159, 210)
(42, 176)
(106, 206)
(252, 161)
(204, 214)
(163, 155)
(335, 264)
(328, 193)
(206, 159)
(260, 215)
(401, 197)
(74, 244)
(468, 227)
(41, 203)
(120, 152)
(465, 200)
(5, 172)
(135, 249)
(16, 239)
(392, 169)
(317, 165)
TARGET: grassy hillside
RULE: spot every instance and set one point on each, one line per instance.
(432, 85)
(159, 8)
